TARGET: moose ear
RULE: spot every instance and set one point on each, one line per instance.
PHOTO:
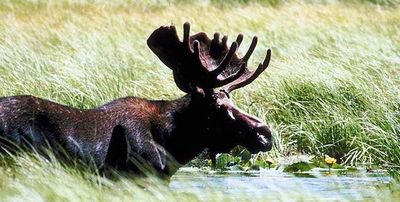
(164, 42)
(117, 153)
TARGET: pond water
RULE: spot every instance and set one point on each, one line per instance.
(273, 184)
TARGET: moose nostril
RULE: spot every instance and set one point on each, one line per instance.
(265, 131)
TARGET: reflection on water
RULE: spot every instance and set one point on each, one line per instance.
(272, 184)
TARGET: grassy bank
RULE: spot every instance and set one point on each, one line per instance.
(332, 86)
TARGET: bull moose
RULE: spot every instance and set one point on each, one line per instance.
(161, 133)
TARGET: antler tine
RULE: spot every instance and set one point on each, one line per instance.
(232, 77)
(216, 37)
(251, 49)
(267, 59)
(196, 47)
(222, 66)
(225, 40)
(252, 75)
(186, 33)
(239, 39)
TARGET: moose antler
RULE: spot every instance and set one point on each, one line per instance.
(198, 61)
(249, 76)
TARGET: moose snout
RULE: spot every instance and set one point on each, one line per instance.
(254, 133)
(261, 137)
(265, 137)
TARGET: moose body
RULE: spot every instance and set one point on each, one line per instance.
(160, 133)
(34, 122)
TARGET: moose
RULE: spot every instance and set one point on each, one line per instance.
(162, 134)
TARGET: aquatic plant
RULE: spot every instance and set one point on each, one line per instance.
(298, 167)
(329, 161)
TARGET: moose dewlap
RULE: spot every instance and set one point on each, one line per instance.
(129, 132)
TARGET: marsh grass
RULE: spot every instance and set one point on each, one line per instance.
(30, 177)
(332, 86)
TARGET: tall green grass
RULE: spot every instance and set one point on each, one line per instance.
(31, 177)
(332, 86)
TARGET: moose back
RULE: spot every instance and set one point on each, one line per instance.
(131, 131)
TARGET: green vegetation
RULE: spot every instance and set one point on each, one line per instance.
(332, 86)
(33, 178)
(300, 166)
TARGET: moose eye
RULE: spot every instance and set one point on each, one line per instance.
(218, 104)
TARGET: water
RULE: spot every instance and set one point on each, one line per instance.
(272, 184)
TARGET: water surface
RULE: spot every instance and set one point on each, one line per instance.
(273, 184)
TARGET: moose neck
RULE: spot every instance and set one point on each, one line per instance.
(185, 121)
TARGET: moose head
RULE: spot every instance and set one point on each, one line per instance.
(209, 70)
